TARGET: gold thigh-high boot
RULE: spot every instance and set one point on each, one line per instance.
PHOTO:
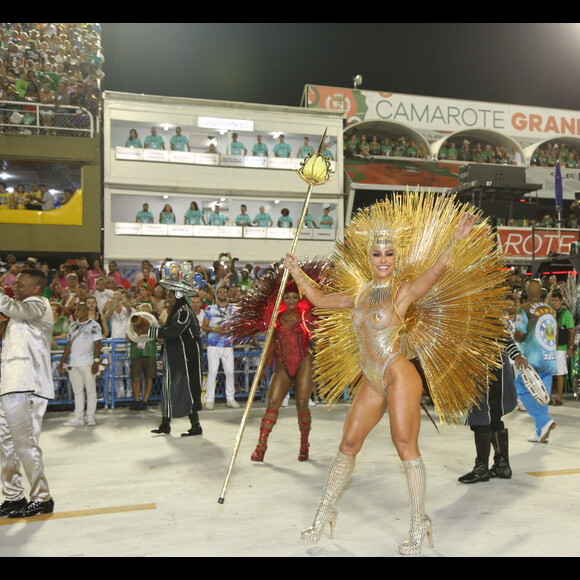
(420, 522)
(340, 470)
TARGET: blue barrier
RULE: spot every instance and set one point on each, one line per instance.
(114, 382)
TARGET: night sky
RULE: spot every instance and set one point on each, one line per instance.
(534, 64)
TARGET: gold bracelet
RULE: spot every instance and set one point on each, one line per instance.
(303, 280)
(446, 254)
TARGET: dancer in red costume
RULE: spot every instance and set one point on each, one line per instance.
(289, 348)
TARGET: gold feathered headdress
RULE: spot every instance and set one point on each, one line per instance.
(452, 331)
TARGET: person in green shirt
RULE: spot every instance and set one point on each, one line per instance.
(262, 219)
(194, 215)
(144, 216)
(133, 140)
(565, 348)
(260, 149)
(306, 149)
(487, 154)
(154, 141)
(237, 147)
(309, 220)
(282, 149)
(243, 219)
(285, 221)
(217, 218)
(326, 220)
(143, 357)
(179, 142)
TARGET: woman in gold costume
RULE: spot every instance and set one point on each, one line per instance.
(382, 313)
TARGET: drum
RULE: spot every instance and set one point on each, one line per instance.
(534, 384)
(139, 325)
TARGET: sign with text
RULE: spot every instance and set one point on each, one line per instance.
(324, 234)
(279, 163)
(232, 160)
(222, 124)
(533, 243)
(130, 153)
(179, 230)
(281, 233)
(255, 161)
(127, 229)
(155, 155)
(154, 229)
(230, 231)
(181, 157)
(206, 231)
(446, 116)
(207, 158)
(255, 233)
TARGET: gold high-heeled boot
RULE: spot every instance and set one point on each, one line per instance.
(340, 470)
(420, 524)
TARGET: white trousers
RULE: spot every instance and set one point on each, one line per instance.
(20, 426)
(215, 354)
(83, 380)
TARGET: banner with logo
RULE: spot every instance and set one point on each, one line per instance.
(546, 176)
(527, 125)
(535, 244)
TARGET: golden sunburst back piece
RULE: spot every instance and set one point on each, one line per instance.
(452, 331)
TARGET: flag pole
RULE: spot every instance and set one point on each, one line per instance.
(315, 171)
(559, 201)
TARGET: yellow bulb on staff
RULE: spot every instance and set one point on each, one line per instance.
(315, 169)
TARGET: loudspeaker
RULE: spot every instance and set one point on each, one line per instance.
(499, 209)
(527, 210)
(492, 175)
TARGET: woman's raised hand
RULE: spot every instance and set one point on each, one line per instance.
(465, 225)
(290, 261)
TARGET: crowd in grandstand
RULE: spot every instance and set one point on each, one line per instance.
(36, 197)
(56, 64)
(549, 154)
(76, 280)
(401, 146)
(546, 155)
(362, 145)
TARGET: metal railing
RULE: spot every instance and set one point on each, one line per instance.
(114, 383)
(26, 118)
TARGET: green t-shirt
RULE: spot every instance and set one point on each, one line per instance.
(565, 321)
(149, 350)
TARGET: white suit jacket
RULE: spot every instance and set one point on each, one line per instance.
(25, 363)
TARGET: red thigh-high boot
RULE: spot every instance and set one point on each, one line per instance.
(268, 421)
(304, 424)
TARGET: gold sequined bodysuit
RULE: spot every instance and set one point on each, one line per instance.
(376, 327)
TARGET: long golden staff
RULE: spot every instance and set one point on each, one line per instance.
(315, 170)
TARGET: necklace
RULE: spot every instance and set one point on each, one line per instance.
(379, 292)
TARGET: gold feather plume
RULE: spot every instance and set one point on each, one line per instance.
(452, 330)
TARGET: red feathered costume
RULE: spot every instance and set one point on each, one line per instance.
(290, 348)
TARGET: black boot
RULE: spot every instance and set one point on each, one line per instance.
(501, 465)
(165, 426)
(195, 428)
(480, 472)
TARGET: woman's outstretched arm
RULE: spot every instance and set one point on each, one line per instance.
(312, 291)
